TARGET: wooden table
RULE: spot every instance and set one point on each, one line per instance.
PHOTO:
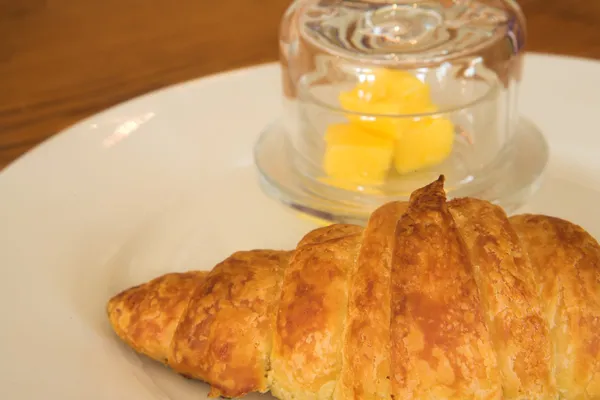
(63, 60)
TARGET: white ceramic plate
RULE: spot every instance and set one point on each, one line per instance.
(166, 182)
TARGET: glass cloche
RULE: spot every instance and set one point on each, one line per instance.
(382, 97)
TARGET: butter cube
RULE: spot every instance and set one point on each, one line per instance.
(369, 115)
(354, 155)
(388, 84)
(386, 92)
(406, 88)
(376, 136)
(428, 142)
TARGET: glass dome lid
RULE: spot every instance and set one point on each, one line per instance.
(382, 97)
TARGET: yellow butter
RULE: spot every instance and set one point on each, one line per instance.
(359, 154)
(405, 88)
(427, 143)
(383, 85)
(381, 97)
(369, 115)
(353, 154)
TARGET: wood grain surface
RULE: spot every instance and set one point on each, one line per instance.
(63, 60)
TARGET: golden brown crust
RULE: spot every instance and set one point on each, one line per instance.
(366, 363)
(225, 336)
(512, 308)
(305, 361)
(441, 348)
(566, 261)
(145, 316)
(447, 300)
(328, 233)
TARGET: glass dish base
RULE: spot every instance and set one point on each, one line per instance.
(508, 182)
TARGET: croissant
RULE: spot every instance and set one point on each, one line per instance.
(433, 299)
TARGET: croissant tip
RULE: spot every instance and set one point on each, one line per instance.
(439, 183)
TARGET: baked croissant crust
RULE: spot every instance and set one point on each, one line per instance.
(433, 299)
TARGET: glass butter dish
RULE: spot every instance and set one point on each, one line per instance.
(382, 97)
